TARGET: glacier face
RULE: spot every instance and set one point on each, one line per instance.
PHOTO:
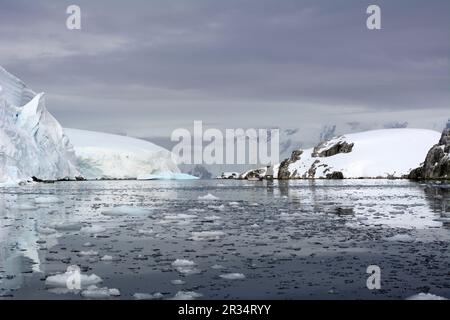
(32, 142)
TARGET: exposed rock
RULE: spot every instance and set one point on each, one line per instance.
(437, 161)
(335, 175)
(325, 149)
(200, 172)
(255, 174)
(283, 170)
(229, 175)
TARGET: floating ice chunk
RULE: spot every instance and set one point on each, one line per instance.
(196, 210)
(61, 280)
(177, 282)
(217, 267)
(180, 216)
(93, 229)
(213, 217)
(148, 296)
(209, 196)
(207, 235)
(126, 210)
(26, 207)
(45, 230)
(47, 200)
(88, 244)
(232, 276)
(234, 204)
(187, 295)
(401, 238)
(94, 292)
(425, 296)
(89, 253)
(107, 258)
(67, 226)
(145, 232)
(218, 208)
(183, 263)
(185, 266)
(254, 226)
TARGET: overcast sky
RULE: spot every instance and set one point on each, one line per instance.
(144, 68)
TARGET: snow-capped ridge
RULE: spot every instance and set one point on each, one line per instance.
(384, 153)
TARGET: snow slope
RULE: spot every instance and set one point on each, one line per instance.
(371, 154)
(32, 142)
(109, 156)
(376, 153)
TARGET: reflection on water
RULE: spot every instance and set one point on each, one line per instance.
(289, 239)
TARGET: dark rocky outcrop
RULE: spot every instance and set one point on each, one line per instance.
(322, 151)
(335, 175)
(200, 172)
(437, 161)
(283, 170)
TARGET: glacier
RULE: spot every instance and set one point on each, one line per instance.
(34, 146)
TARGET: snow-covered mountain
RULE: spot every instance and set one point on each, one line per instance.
(371, 154)
(32, 142)
(109, 156)
(34, 145)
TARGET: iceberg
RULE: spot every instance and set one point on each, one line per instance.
(34, 146)
(32, 142)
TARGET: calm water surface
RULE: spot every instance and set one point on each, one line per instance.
(280, 240)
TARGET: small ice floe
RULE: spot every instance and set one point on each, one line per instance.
(425, 296)
(254, 204)
(126, 210)
(233, 204)
(196, 210)
(208, 197)
(107, 258)
(25, 207)
(217, 208)
(232, 276)
(89, 253)
(255, 226)
(88, 245)
(45, 230)
(179, 216)
(145, 232)
(207, 235)
(213, 218)
(67, 226)
(183, 263)
(95, 229)
(185, 266)
(187, 295)
(148, 296)
(217, 267)
(47, 200)
(62, 280)
(178, 282)
(94, 292)
(401, 238)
